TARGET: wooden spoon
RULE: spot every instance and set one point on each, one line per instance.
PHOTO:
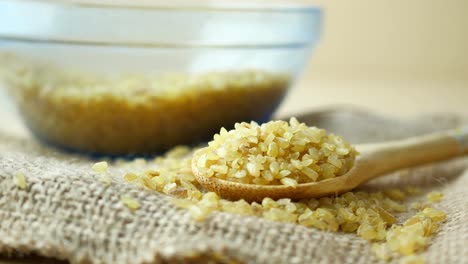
(373, 161)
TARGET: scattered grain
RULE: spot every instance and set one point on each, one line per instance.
(131, 203)
(100, 167)
(370, 215)
(434, 197)
(20, 181)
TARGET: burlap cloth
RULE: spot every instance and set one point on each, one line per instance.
(67, 213)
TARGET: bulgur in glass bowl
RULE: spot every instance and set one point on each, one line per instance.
(116, 79)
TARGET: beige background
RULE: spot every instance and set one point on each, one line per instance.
(400, 57)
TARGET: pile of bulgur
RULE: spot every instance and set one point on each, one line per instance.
(275, 153)
(373, 216)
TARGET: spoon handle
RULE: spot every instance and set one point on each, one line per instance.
(394, 155)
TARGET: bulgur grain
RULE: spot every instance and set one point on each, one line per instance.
(434, 197)
(130, 177)
(20, 180)
(129, 202)
(100, 167)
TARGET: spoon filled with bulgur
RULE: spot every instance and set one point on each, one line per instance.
(292, 160)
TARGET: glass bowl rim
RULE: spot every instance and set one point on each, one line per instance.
(218, 5)
(71, 12)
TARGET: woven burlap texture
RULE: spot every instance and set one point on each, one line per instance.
(66, 212)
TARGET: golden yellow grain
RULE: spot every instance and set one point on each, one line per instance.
(434, 214)
(21, 181)
(129, 202)
(395, 194)
(100, 167)
(130, 177)
(434, 197)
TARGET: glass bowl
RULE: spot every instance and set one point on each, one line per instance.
(116, 78)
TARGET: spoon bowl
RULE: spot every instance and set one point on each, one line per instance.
(373, 161)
